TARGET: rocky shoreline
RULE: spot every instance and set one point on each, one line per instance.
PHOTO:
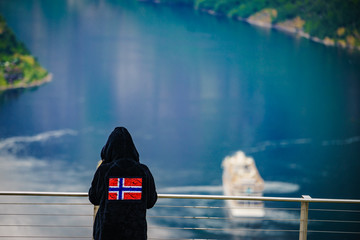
(292, 26)
(22, 85)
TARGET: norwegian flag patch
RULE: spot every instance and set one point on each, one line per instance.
(125, 188)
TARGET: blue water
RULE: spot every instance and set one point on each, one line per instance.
(191, 88)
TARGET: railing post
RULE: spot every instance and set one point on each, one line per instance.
(304, 218)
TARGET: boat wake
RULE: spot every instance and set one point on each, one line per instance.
(280, 187)
(340, 142)
(269, 145)
(18, 165)
(14, 143)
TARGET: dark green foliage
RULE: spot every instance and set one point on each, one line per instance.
(224, 6)
(288, 10)
(9, 45)
(17, 66)
(322, 17)
(247, 8)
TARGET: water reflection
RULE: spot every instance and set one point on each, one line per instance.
(10, 95)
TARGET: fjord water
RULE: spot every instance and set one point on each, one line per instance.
(190, 87)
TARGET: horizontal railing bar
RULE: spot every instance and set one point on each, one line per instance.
(89, 237)
(226, 229)
(180, 217)
(335, 210)
(332, 221)
(62, 237)
(182, 238)
(223, 218)
(255, 230)
(211, 207)
(189, 196)
(341, 232)
(227, 208)
(51, 204)
(45, 194)
(43, 225)
(173, 206)
(45, 214)
(278, 199)
(222, 197)
(170, 206)
(190, 217)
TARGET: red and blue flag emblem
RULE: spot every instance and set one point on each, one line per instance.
(125, 188)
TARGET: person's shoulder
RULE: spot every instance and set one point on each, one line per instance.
(143, 165)
(146, 168)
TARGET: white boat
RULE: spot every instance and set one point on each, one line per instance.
(241, 178)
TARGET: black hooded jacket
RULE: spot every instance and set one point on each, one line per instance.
(124, 188)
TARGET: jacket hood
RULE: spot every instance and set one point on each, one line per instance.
(119, 146)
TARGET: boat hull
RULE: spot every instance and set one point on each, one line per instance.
(241, 178)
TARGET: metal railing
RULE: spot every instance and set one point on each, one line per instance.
(63, 215)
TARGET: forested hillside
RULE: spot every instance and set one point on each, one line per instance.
(334, 22)
(18, 68)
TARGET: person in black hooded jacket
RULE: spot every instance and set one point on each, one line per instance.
(124, 188)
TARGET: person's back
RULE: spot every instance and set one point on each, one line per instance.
(124, 188)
